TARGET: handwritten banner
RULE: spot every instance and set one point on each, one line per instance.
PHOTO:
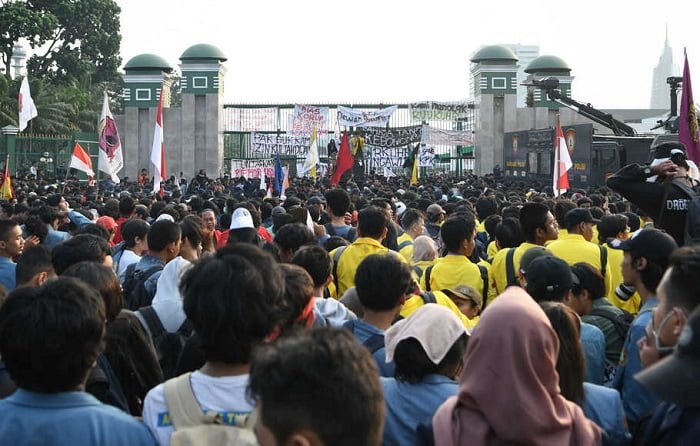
(306, 117)
(252, 168)
(392, 137)
(389, 157)
(437, 111)
(356, 118)
(264, 145)
(426, 156)
(251, 119)
(437, 137)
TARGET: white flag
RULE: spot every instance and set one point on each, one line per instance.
(311, 157)
(158, 149)
(262, 178)
(110, 159)
(25, 104)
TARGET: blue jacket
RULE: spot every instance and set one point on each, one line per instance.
(363, 331)
(604, 406)
(8, 273)
(67, 418)
(593, 341)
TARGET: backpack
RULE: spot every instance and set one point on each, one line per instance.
(511, 278)
(135, 294)
(103, 383)
(193, 427)
(349, 236)
(404, 244)
(622, 322)
(692, 217)
(168, 345)
(483, 272)
(373, 343)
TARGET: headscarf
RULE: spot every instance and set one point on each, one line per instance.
(509, 388)
(168, 301)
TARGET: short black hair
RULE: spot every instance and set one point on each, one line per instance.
(191, 228)
(126, 206)
(292, 236)
(316, 261)
(83, 247)
(372, 221)
(409, 218)
(132, 228)
(161, 234)
(237, 311)
(413, 364)
(611, 225)
(298, 291)
(456, 229)
(35, 226)
(338, 201)
(485, 207)
(6, 227)
(296, 381)
(104, 280)
(94, 229)
(632, 220)
(684, 270)
(509, 233)
(33, 261)
(381, 280)
(533, 216)
(51, 336)
(589, 279)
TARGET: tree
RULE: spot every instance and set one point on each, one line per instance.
(71, 38)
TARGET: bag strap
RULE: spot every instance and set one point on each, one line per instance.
(336, 259)
(510, 267)
(182, 404)
(603, 259)
(153, 323)
(404, 244)
(484, 284)
(417, 269)
(428, 297)
(428, 270)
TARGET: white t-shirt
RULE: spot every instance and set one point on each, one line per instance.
(225, 395)
(128, 258)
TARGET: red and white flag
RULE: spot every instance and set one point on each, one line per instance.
(81, 161)
(158, 149)
(562, 162)
(110, 159)
(25, 105)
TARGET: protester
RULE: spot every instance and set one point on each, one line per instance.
(11, 245)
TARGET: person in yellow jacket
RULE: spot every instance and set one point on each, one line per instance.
(612, 230)
(424, 254)
(413, 225)
(458, 233)
(539, 226)
(372, 223)
(577, 245)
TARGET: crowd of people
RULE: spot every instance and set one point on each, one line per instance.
(455, 311)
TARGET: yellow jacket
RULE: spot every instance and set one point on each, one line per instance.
(498, 266)
(615, 261)
(450, 271)
(573, 248)
(407, 249)
(491, 250)
(416, 301)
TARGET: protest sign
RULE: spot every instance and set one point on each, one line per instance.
(392, 137)
(426, 156)
(264, 145)
(251, 119)
(435, 137)
(305, 117)
(251, 168)
(357, 118)
(437, 111)
(389, 157)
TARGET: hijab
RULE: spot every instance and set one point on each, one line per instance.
(509, 388)
(168, 301)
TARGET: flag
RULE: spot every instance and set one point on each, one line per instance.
(344, 162)
(414, 174)
(285, 183)
(688, 119)
(6, 192)
(158, 149)
(562, 162)
(262, 178)
(388, 173)
(110, 159)
(311, 157)
(81, 160)
(279, 174)
(25, 105)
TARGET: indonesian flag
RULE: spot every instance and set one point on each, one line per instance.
(81, 161)
(110, 159)
(25, 104)
(158, 149)
(562, 162)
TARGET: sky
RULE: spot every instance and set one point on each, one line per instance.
(386, 51)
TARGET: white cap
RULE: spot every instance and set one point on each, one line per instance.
(400, 208)
(241, 218)
(168, 217)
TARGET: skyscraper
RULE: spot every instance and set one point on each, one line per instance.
(660, 93)
(526, 54)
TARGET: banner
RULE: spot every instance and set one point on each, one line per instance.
(306, 117)
(437, 111)
(426, 156)
(392, 137)
(252, 168)
(389, 157)
(264, 145)
(251, 119)
(356, 118)
(438, 137)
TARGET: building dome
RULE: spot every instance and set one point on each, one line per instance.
(203, 51)
(494, 53)
(548, 64)
(147, 61)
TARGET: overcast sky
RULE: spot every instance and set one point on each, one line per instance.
(402, 51)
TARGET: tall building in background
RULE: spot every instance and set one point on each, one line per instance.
(660, 93)
(526, 54)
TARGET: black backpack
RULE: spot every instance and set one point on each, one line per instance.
(104, 385)
(622, 322)
(135, 294)
(168, 345)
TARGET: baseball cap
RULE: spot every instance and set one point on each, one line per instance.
(654, 245)
(400, 208)
(106, 222)
(465, 292)
(674, 378)
(530, 255)
(578, 215)
(278, 210)
(547, 276)
(315, 200)
(241, 218)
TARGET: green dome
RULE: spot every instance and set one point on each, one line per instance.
(498, 53)
(203, 51)
(548, 64)
(147, 61)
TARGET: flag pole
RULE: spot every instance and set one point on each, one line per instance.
(556, 159)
